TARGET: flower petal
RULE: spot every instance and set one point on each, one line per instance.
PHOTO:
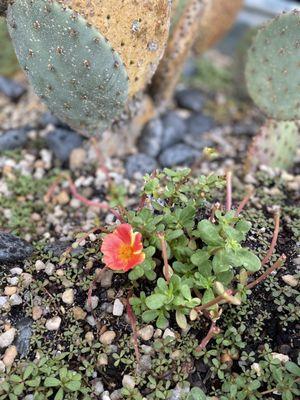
(124, 232)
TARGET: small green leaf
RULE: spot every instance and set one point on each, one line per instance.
(28, 371)
(181, 320)
(172, 235)
(59, 395)
(196, 394)
(162, 322)
(149, 315)
(73, 386)
(136, 273)
(52, 382)
(249, 260)
(19, 389)
(209, 233)
(200, 257)
(293, 368)
(243, 226)
(155, 301)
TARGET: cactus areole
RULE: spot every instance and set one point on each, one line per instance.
(86, 60)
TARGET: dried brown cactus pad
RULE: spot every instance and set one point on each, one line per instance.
(138, 30)
(217, 19)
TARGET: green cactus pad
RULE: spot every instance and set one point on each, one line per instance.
(69, 63)
(275, 145)
(272, 71)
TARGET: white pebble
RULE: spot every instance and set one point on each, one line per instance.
(16, 271)
(168, 333)
(15, 300)
(53, 324)
(39, 265)
(68, 296)
(146, 333)
(128, 382)
(92, 304)
(107, 337)
(7, 338)
(118, 308)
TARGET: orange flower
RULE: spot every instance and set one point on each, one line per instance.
(123, 249)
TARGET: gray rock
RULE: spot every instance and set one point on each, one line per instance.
(150, 140)
(62, 142)
(57, 248)
(139, 163)
(179, 154)
(198, 124)
(11, 88)
(7, 337)
(174, 129)
(13, 139)
(50, 119)
(24, 335)
(190, 99)
(13, 249)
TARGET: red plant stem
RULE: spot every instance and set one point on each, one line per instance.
(214, 301)
(52, 188)
(133, 324)
(92, 203)
(243, 203)
(214, 330)
(274, 239)
(268, 272)
(165, 256)
(228, 191)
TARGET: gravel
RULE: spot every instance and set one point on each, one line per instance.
(140, 164)
(62, 142)
(174, 129)
(151, 138)
(190, 99)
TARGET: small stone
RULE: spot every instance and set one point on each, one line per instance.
(49, 268)
(53, 324)
(179, 154)
(190, 99)
(16, 271)
(9, 356)
(11, 88)
(24, 335)
(77, 158)
(13, 249)
(105, 396)
(91, 320)
(106, 279)
(146, 332)
(107, 337)
(79, 313)
(15, 300)
(176, 355)
(68, 296)
(2, 366)
(10, 290)
(140, 164)
(151, 137)
(98, 387)
(26, 279)
(168, 333)
(62, 198)
(37, 312)
(3, 301)
(13, 139)
(39, 265)
(290, 280)
(49, 119)
(145, 363)
(13, 281)
(117, 395)
(256, 368)
(198, 124)
(118, 308)
(7, 338)
(92, 304)
(62, 142)
(174, 129)
(102, 360)
(89, 337)
(158, 333)
(128, 382)
(283, 358)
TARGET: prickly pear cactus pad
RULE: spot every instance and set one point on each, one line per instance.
(275, 145)
(137, 29)
(69, 63)
(272, 71)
